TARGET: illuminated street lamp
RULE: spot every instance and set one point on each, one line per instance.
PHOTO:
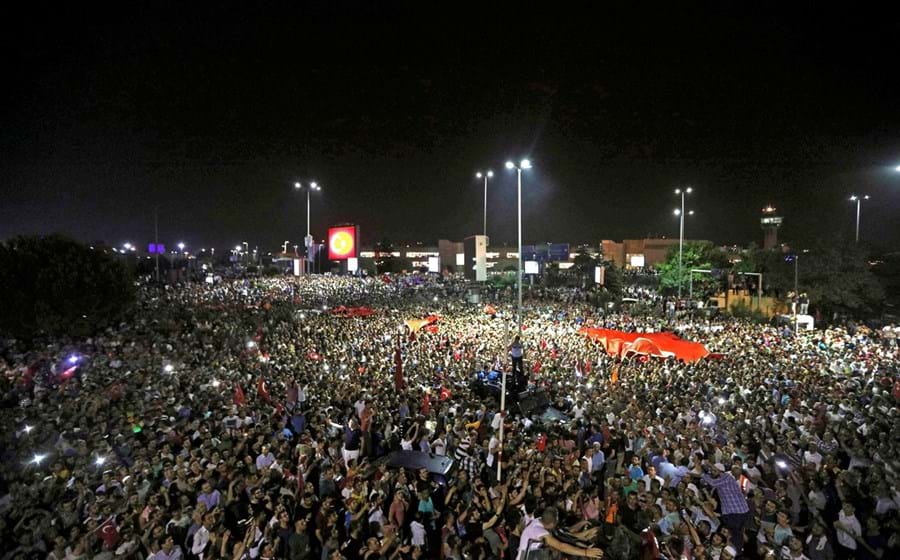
(181, 246)
(680, 214)
(524, 164)
(858, 200)
(313, 186)
(486, 176)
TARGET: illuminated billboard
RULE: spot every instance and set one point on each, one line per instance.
(341, 243)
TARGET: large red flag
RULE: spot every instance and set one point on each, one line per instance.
(262, 390)
(239, 396)
(398, 370)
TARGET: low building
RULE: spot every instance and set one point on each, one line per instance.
(637, 253)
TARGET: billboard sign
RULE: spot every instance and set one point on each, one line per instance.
(341, 243)
(532, 267)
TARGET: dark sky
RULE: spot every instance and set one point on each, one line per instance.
(212, 115)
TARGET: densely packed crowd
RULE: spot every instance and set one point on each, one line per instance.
(242, 420)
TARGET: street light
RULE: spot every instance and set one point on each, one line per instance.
(181, 246)
(524, 164)
(486, 176)
(858, 200)
(313, 186)
(680, 214)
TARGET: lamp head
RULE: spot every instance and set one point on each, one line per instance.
(510, 165)
(689, 190)
(490, 173)
(677, 212)
(525, 164)
(297, 185)
(478, 175)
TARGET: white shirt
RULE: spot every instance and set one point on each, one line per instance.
(201, 537)
(851, 524)
(439, 447)
(418, 533)
(531, 538)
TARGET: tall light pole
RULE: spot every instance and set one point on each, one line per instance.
(858, 200)
(524, 164)
(308, 239)
(680, 213)
(486, 176)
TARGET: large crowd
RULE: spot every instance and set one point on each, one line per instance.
(244, 420)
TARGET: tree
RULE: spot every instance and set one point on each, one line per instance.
(838, 278)
(696, 254)
(55, 286)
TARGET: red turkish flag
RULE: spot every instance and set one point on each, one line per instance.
(262, 390)
(239, 397)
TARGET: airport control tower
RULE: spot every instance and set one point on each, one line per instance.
(770, 224)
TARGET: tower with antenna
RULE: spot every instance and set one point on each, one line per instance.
(770, 223)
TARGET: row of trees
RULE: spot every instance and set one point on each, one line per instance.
(838, 277)
(53, 286)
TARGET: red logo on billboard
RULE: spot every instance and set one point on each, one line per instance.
(341, 243)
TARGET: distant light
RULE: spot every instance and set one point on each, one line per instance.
(38, 457)
(690, 212)
(677, 212)
(297, 185)
(525, 164)
(127, 246)
(853, 197)
(216, 382)
(897, 169)
(313, 185)
(28, 428)
(510, 165)
(251, 344)
(490, 173)
(237, 248)
(181, 246)
(478, 175)
(866, 197)
(677, 191)
(688, 190)
(73, 359)
(168, 368)
(99, 461)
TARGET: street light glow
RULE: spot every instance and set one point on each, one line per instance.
(99, 461)
(490, 173)
(168, 368)
(28, 428)
(688, 190)
(525, 164)
(677, 212)
(478, 175)
(181, 246)
(510, 165)
(297, 185)
(38, 457)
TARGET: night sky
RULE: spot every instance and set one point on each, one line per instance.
(212, 116)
